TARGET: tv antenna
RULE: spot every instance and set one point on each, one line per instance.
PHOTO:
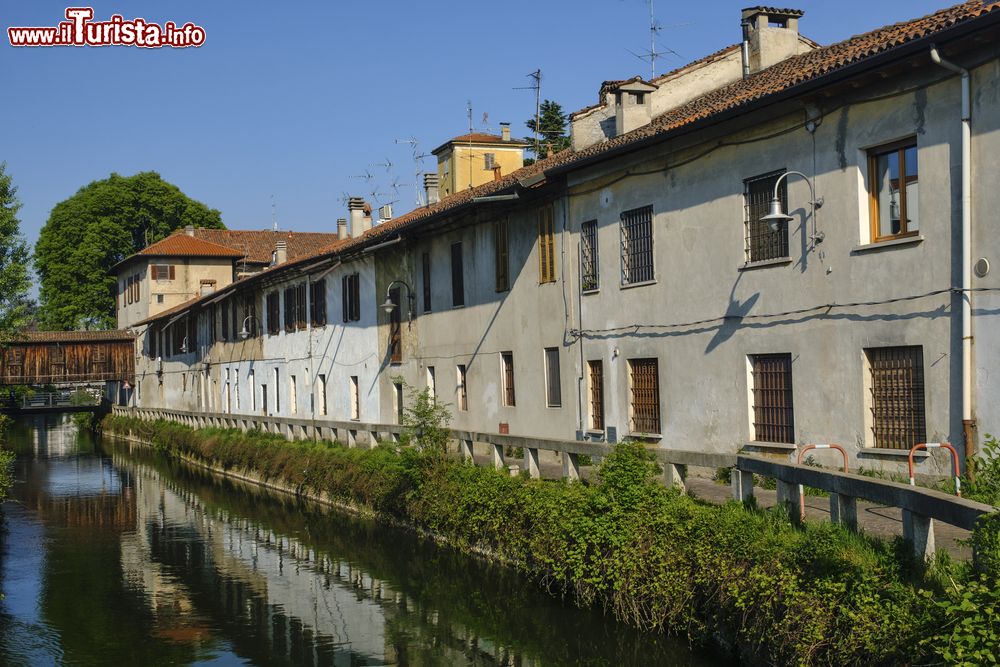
(417, 167)
(387, 164)
(367, 176)
(274, 215)
(652, 55)
(536, 85)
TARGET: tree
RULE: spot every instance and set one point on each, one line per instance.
(102, 224)
(551, 129)
(15, 279)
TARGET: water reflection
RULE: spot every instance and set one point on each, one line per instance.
(114, 554)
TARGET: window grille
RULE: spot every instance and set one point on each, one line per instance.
(645, 395)
(897, 396)
(596, 369)
(763, 243)
(773, 417)
(588, 256)
(637, 245)
(507, 359)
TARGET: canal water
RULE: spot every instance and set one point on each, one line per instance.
(113, 554)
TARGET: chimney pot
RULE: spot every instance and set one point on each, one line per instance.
(770, 36)
(505, 131)
(342, 228)
(431, 188)
(280, 252)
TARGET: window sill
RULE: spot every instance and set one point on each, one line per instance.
(764, 263)
(761, 444)
(585, 292)
(885, 451)
(645, 436)
(879, 245)
(642, 284)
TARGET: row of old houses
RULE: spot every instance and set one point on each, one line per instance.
(645, 282)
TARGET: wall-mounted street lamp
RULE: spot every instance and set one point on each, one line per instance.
(389, 306)
(184, 345)
(245, 332)
(777, 216)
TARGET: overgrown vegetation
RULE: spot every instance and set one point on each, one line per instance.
(658, 560)
(6, 458)
(983, 484)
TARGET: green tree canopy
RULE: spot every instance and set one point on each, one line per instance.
(102, 224)
(551, 129)
(15, 279)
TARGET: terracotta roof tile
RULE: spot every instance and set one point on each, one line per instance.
(71, 336)
(258, 245)
(179, 244)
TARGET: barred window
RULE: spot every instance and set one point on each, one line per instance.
(461, 389)
(763, 242)
(644, 383)
(773, 417)
(637, 245)
(596, 380)
(507, 361)
(553, 381)
(588, 256)
(897, 396)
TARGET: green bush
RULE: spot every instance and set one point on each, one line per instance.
(658, 560)
(983, 481)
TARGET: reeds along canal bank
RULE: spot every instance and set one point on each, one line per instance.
(733, 575)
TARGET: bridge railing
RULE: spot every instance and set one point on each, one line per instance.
(920, 506)
(61, 399)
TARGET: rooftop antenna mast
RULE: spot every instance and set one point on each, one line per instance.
(536, 85)
(417, 167)
(654, 29)
(274, 215)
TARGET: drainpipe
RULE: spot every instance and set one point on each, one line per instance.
(745, 48)
(968, 423)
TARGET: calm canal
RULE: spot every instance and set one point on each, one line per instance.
(116, 555)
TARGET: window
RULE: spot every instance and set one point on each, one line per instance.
(317, 303)
(644, 381)
(277, 390)
(321, 392)
(291, 304)
(162, 271)
(293, 395)
(159, 298)
(500, 256)
(263, 398)
(234, 314)
(457, 277)
(351, 286)
(588, 256)
(426, 263)
(273, 314)
(395, 329)
(546, 246)
(761, 241)
(892, 183)
(637, 245)
(355, 398)
(461, 389)
(301, 311)
(595, 377)
(397, 390)
(253, 392)
(897, 396)
(225, 320)
(773, 417)
(507, 378)
(250, 308)
(553, 384)
(431, 382)
(489, 161)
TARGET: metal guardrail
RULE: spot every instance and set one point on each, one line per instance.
(921, 507)
(57, 400)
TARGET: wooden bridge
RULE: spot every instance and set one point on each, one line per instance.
(67, 357)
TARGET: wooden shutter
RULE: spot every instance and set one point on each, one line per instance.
(343, 298)
(773, 419)
(290, 304)
(426, 260)
(507, 359)
(225, 320)
(546, 246)
(171, 271)
(645, 396)
(300, 306)
(501, 256)
(457, 277)
(355, 297)
(395, 329)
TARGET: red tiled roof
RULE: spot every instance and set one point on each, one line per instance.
(258, 245)
(71, 336)
(179, 244)
(478, 138)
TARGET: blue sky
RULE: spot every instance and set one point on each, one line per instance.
(295, 98)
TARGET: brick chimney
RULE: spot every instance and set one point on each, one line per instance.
(770, 36)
